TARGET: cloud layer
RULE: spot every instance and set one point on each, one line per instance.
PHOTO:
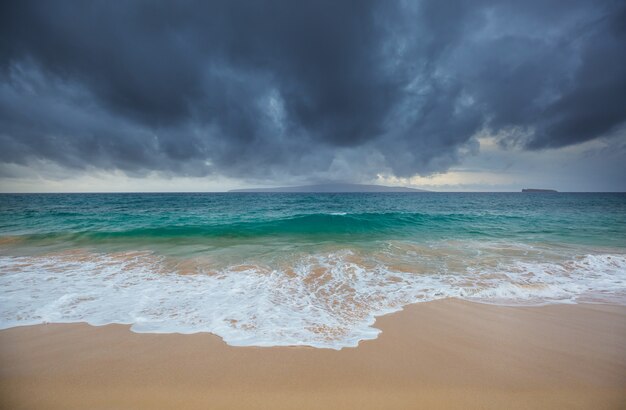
(313, 90)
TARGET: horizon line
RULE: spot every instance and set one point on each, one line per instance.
(303, 192)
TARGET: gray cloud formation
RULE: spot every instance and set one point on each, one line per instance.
(276, 89)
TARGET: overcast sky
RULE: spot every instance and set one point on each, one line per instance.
(213, 95)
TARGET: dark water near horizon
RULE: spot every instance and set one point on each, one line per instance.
(312, 269)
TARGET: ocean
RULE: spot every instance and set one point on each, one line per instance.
(270, 269)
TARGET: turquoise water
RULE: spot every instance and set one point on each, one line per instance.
(312, 269)
(94, 219)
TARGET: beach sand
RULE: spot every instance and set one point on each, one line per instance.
(444, 354)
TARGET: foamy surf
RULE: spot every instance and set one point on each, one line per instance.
(321, 299)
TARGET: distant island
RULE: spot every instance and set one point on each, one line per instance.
(538, 190)
(337, 188)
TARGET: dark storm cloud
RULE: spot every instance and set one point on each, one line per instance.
(284, 88)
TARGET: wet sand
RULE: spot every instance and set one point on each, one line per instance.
(444, 354)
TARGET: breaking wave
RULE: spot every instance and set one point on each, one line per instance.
(320, 299)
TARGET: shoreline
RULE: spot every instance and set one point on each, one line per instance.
(447, 354)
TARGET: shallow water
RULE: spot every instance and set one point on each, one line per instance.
(299, 269)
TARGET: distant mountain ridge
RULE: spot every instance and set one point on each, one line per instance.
(336, 188)
(538, 190)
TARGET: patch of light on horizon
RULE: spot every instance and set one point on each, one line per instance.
(22, 178)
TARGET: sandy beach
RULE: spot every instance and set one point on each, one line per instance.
(444, 354)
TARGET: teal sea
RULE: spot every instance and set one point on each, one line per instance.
(299, 269)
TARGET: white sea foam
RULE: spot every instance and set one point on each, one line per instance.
(327, 300)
